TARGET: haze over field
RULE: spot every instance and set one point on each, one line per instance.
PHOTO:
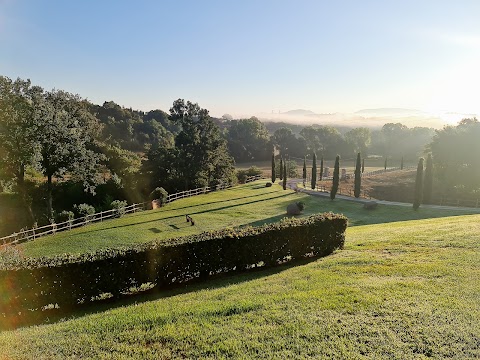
(262, 58)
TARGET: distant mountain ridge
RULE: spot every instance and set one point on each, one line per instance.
(299, 112)
(390, 112)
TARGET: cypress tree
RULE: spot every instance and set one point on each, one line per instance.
(385, 165)
(281, 168)
(401, 164)
(304, 170)
(274, 175)
(358, 177)
(428, 183)
(336, 178)
(284, 176)
(417, 200)
(321, 169)
(314, 172)
(363, 165)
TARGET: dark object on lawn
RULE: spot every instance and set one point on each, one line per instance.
(268, 184)
(295, 208)
(189, 219)
(370, 205)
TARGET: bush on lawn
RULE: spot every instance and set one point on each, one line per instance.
(159, 194)
(68, 280)
(65, 216)
(83, 210)
(119, 206)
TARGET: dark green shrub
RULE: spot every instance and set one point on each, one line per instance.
(68, 280)
(83, 210)
(65, 215)
(119, 206)
(314, 172)
(274, 174)
(159, 194)
(336, 178)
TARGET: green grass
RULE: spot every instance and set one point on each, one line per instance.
(250, 204)
(400, 290)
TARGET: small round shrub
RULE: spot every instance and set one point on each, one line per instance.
(119, 206)
(159, 194)
(301, 205)
(65, 215)
(268, 184)
(82, 210)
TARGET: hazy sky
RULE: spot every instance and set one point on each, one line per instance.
(250, 56)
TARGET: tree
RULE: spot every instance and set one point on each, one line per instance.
(321, 168)
(359, 139)
(358, 177)
(428, 181)
(385, 164)
(417, 199)
(203, 158)
(248, 140)
(274, 175)
(314, 172)
(66, 135)
(281, 168)
(304, 170)
(455, 157)
(18, 146)
(285, 176)
(336, 178)
(401, 164)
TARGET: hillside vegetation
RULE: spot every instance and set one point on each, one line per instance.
(398, 290)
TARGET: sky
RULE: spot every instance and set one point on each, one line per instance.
(250, 57)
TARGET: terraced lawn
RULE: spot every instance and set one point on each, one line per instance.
(250, 204)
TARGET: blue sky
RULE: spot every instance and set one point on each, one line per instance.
(251, 56)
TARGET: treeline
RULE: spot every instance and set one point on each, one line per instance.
(58, 152)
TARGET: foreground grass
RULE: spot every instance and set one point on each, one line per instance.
(399, 291)
(250, 204)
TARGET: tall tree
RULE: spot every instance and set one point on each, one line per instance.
(336, 178)
(359, 139)
(358, 177)
(417, 199)
(281, 168)
(428, 181)
(314, 172)
(304, 175)
(274, 175)
(285, 176)
(248, 140)
(66, 134)
(18, 146)
(321, 168)
(203, 158)
(401, 164)
(385, 164)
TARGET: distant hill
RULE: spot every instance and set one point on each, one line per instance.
(299, 112)
(390, 112)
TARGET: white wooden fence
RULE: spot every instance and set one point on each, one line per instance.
(32, 234)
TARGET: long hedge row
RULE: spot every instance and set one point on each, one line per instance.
(69, 280)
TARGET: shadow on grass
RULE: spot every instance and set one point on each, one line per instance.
(212, 282)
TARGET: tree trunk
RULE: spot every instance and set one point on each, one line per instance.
(23, 193)
(49, 197)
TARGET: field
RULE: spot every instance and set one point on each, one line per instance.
(398, 290)
(251, 204)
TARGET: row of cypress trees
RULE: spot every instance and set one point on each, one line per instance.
(283, 172)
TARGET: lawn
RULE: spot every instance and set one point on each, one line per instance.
(399, 290)
(250, 204)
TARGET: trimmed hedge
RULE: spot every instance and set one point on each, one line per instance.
(69, 280)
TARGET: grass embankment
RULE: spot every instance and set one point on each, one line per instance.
(250, 204)
(398, 290)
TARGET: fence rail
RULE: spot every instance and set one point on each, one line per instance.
(32, 234)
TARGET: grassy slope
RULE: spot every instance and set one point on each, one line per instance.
(248, 204)
(398, 290)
